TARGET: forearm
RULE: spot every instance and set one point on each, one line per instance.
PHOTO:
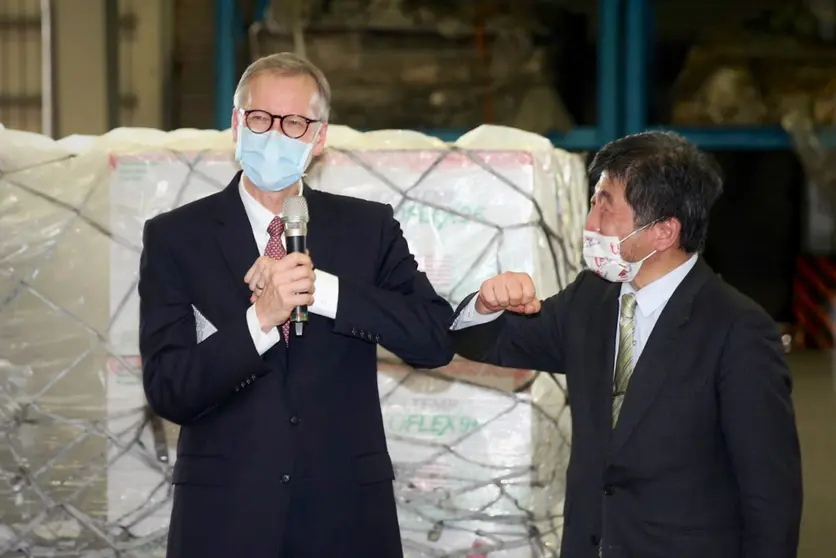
(771, 497)
(760, 432)
(506, 342)
(483, 343)
(476, 336)
(507, 339)
(770, 532)
(413, 327)
(183, 381)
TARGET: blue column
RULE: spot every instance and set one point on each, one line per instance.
(225, 38)
(638, 37)
(261, 9)
(608, 69)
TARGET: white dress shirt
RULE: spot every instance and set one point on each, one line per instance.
(327, 286)
(650, 301)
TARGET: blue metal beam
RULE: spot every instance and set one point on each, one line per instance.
(637, 97)
(225, 38)
(228, 26)
(748, 138)
(578, 139)
(261, 9)
(638, 36)
(609, 51)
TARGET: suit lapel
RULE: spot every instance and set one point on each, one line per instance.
(237, 243)
(321, 238)
(667, 343)
(235, 236)
(601, 356)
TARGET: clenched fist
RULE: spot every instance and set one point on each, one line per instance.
(508, 291)
(279, 286)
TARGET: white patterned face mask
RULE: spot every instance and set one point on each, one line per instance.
(602, 255)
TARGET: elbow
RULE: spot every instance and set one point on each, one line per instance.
(435, 359)
(442, 353)
(435, 352)
(468, 345)
(168, 408)
(433, 347)
(447, 357)
(165, 401)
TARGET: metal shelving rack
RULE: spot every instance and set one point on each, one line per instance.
(625, 38)
(230, 30)
(638, 41)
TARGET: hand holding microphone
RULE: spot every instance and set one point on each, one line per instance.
(295, 218)
(280, 286)
(283, 289)
(508, 291)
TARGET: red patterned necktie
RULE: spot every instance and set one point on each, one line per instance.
(276, 250)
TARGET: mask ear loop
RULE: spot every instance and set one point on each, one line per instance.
(640, 229)
(302, 180)
(240, 129)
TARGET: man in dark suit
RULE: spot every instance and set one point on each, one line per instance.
(684, 436)
(282, 450)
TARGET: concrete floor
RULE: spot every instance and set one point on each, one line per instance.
(815, 405)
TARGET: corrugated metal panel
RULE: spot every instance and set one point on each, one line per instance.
(194, 66)
(20, 64)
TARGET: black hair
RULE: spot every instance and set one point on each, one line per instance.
(664, 176)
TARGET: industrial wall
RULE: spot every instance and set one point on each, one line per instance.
(79, 84)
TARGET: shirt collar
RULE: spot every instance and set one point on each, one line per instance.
(653, 296)
(259, 216)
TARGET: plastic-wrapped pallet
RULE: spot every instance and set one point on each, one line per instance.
(480, 452)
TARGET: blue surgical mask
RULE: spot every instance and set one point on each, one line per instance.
(272, 161)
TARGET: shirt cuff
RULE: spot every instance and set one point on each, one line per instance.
(263, 341)
(326, 295)
(469, 317)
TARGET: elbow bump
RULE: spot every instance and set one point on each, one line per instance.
(167, 407)
(437, 355)
(440, 351)
(446, 357)
(172, 415)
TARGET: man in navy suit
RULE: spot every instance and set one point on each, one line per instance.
(684, 443)
(282, 449)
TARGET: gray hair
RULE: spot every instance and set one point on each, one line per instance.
(287, 64)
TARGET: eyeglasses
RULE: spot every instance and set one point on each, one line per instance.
(292, 125)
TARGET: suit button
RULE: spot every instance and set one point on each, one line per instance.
(377, 338)
(248, 381)
(285, 479)
(252, 377)
(294, 420)
(354, 331)
(243, 384)
(608, 490)
(594, 540)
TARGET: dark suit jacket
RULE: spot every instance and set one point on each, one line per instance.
(282, 454)
(704, 461)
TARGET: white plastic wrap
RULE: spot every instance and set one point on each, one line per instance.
(479, 452)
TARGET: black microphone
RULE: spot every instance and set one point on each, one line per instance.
(295, 218)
